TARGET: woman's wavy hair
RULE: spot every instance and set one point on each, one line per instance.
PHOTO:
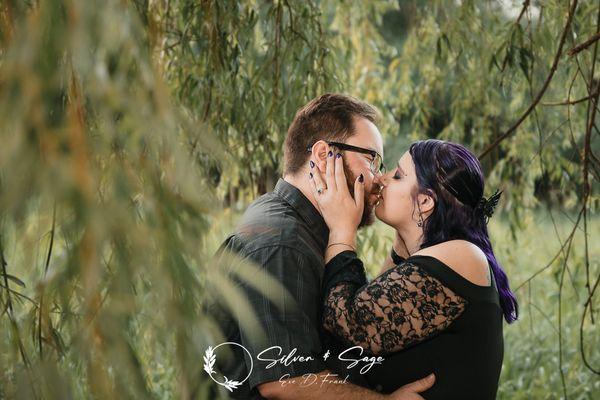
(453, 176)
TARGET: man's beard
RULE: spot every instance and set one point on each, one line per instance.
(368, 215)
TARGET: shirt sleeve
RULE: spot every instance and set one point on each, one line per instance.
(401, 307)
(291, 325)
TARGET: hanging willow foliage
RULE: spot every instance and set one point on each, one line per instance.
(103, 273)
(244, 68)
(117, 121)
(518, 84)
(123, 124)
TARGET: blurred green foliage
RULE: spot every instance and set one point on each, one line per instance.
(243, 69)
(100, 210)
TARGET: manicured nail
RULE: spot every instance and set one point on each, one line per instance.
(311, 175)
(312, 164)
(339, 155)
(361, 178)
(330, 154)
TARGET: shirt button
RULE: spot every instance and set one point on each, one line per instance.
(379, 388)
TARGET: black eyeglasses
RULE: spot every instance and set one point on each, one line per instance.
(376, 165)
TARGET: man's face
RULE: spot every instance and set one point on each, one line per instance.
(366, 136)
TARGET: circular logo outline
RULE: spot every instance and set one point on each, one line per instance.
(209, 361)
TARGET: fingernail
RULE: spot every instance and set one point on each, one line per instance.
(339, 155)
(361, 178)
(312, 164)
(430, 378)
(330, 154)
(311, 175)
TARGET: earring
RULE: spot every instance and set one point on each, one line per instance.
(420, 222)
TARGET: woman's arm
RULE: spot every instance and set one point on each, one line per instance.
(340, 241)
(401, 307)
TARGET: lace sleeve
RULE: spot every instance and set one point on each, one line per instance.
(401, 307)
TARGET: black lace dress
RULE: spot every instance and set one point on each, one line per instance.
(422, 317)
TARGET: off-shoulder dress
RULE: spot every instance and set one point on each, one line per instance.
(423, 317)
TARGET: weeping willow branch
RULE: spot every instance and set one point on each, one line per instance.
(41, 307)
(19, 296)
(540, 94)
(584, 45)
(587, 189)
(588, 304)
(11, 317)
(570, 102)
(566, 243)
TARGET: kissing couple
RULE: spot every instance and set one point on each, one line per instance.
(430, 325)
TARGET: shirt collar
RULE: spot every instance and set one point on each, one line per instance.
(306, 209)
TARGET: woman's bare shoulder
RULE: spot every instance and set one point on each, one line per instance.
(462, 256)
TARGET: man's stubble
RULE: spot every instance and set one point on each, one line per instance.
(368, 216)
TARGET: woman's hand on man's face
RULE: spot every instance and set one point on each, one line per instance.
(341, 212)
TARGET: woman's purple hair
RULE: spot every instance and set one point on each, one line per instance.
(453, 175)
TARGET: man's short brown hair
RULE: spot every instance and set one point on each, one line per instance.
(327, 117)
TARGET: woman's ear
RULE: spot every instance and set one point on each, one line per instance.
(319, 154)
(426, 202)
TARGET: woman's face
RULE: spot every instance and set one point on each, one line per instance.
(397, 206)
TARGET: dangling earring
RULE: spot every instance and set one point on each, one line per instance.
(420, 221)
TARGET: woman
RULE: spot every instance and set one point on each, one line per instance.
(438, 306)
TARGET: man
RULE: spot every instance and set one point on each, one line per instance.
(284, 234)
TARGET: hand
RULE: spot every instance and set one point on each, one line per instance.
(409, 391)
(341, 212)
